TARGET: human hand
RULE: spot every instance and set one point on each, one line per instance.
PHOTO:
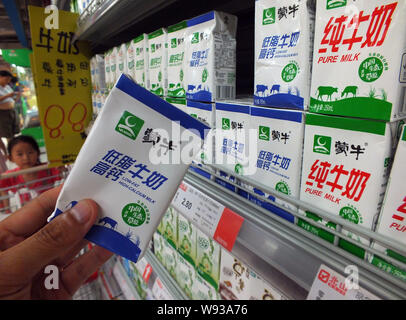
(28, 245)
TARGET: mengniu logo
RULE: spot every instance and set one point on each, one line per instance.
(225, 124)
(195, 38)
(264, 133)
(332, 4)
(173, 43)
(129, 125)
(322, 144)
(269, 16)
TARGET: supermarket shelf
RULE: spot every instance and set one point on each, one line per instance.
(118, 15)
(165, 277)
(289, 249)
(125, 283)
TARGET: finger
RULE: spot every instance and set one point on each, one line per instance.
(33, 215)
(83, 267)
(55, 239)
(67, 258)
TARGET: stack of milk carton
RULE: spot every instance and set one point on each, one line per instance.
(202, 268)
(98, 82)
(283, 49)
(357, 97)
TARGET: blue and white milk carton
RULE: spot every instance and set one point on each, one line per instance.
(284, 32)
(120, 167)
(280, 136)
(210, 57)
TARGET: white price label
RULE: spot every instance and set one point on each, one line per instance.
(211, 217)
(125, 288)
(330, 285)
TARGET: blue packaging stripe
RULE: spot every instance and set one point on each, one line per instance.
(200, 19)
(233, 107)
(200, 105)
(201, 172)
(159, 105)
(295, 116)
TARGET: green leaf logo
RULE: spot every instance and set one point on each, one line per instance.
(205, 74)
(322, 144)
(332, 4)
(264, 133)
(269, 16)
(195, 38)
(129, 125)
(173, 43)
(225, 124)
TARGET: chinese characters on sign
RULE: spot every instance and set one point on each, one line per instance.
(62, 72)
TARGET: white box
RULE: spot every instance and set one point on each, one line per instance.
(359, 62)
(141, 60)
(345, 171)
(210, 57)
(176, 55)
(158, 62)
(284, 32)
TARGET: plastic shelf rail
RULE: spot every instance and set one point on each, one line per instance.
(286, 247)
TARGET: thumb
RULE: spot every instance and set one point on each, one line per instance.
(30, 256)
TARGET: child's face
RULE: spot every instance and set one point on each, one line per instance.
(24, 155)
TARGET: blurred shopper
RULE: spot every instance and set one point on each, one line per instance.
(9, 122)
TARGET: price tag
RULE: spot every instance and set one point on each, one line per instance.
(160, 292)
(125, 288)
(210, 216)
(144, 268)
(330, 285)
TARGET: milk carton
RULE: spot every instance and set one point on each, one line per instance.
(208, 258)
(280, 135)
(360, 59)
(141, 60)
(187, 240)
(119, 167)
(232, 137)
(204, 112)
(203, 290)
(169, 257)
(238, 281)
(158, 246)
(345, 170)
(113, 66)
(179, 103)
(283, 52)
(170, 227)
(130, 59)
(210, 57)
(185, 275)
(107, 67)
(176, 53)
(392, 216)
(158, 59)
(122, 60)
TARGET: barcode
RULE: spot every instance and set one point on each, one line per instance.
(225, 92)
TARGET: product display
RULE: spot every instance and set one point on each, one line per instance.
(359, 58)
(284, 33)
(393, 212)
(237, 151)
(210, 71)
(158, 64)
(345, 170)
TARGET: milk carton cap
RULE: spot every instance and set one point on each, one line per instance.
(156, 33)
(139, 38)
(178, 26)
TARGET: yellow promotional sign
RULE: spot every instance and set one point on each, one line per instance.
(63, 84)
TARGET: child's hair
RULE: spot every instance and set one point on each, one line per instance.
(22, 138)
